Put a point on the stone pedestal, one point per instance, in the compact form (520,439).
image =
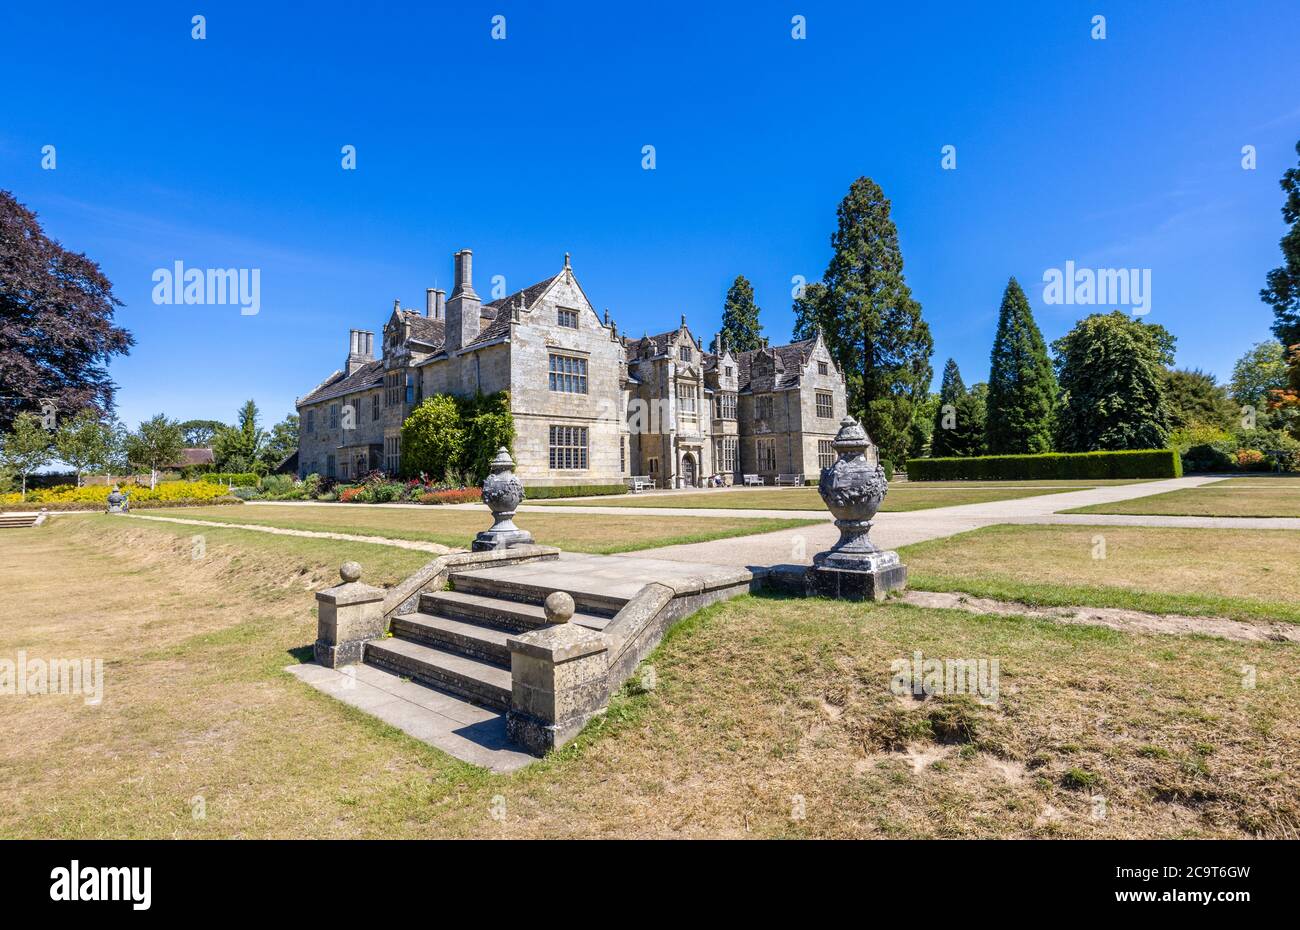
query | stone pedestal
(558,680)
(853,584)
(349,614)
(503,492)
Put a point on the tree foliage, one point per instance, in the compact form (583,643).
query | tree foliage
(1197,399)
(84,442)
(26,447)
(200,433)
(1111,370)
(157,443)
(433,438)
(1258,373)
(741,329)
(1022,387)
(1282,292)
(56,322)
(869,320)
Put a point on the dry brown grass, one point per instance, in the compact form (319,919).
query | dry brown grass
(1220,499)
(901,497)
(598,533)
(758,702)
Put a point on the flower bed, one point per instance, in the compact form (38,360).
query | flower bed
(95,497)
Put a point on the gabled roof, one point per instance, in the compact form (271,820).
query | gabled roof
(369,375)
(788,363)
(530,294)
(432,332)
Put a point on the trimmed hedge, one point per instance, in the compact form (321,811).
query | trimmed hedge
(232,479)
(1142,463)
(534,493)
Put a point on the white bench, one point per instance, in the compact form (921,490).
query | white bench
(789,480)
(753,479)
(641,483)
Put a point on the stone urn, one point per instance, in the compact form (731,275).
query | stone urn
(117,501)
(503,492)
(853,489)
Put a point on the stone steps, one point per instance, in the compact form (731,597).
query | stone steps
(481,682)
(470,639)
(17,520)
(588,602)
(512,615)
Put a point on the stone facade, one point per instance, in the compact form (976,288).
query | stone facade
(590,407)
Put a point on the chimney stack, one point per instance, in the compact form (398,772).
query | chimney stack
(361,349)
(430,304)
(439,304)
(461,311)
(464,273)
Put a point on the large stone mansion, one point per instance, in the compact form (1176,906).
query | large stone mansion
(589,406)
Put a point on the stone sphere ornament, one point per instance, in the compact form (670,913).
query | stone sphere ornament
(350,572)
(559,607)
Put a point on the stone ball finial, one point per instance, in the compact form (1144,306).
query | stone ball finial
(350,571)
(559,607)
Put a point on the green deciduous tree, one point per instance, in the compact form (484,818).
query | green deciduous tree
(740,327)
(1283,290)
(83,442)
(158,442)
(1022,386)
(1258,373)
(871,323)
(280,442)
(200,433)
(1196,399)
(1111,370)
(26,447)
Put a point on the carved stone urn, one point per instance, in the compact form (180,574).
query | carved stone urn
(853,489)
(117,501)
(503,492)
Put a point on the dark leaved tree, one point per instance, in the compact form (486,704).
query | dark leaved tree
(1022,387)
(56,322)
(1283,290)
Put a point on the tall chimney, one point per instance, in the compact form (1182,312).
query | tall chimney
(463,307)
(430,304)
(464,273)
(440,304)
(360,350)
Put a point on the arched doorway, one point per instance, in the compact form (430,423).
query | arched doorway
(688,470)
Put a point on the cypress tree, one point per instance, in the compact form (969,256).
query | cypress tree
(869,320)
(950,391)
(740,326)
(1022,387)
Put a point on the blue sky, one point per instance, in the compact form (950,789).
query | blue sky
(225,152)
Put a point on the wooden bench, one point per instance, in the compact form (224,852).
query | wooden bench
(753,479)
(789,480)
(641,483)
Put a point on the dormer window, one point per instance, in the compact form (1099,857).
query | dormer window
(567,318)
(684,353)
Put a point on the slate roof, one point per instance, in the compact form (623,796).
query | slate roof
(497,313)
(433,332)
(789,361)
(369,375)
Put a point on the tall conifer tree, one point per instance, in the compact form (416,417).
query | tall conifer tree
(1022,386)
(740,326)
(871,323)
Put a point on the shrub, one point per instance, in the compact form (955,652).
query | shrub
(93,497)
(347,495)
(452,496)
(1251,460)
(1208,457)
(888,466)
(573,490)
(1145,463)
(245,494)
(446,436)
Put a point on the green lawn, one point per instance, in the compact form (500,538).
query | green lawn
(767,718)
(1261,480)
(1240,574)
(901,498)
(456,528)
(1221,499)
